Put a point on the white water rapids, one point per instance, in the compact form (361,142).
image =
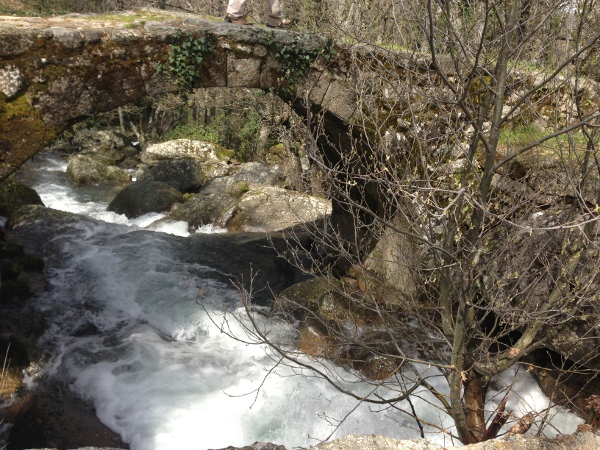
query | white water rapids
(127,334)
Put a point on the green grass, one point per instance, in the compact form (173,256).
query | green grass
(16,8)
(522,136)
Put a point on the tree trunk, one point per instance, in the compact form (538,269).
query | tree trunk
(474,407)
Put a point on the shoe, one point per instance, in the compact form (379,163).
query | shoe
(237,20)
(285,23)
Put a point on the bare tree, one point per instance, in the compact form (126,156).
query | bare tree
(464,233)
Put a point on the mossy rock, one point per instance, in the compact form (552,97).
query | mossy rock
(14,195)
(238,189)
(88,169)
(204,209)
(328,300)
(28,133)
(32,213)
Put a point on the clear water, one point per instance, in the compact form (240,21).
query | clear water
(130,333)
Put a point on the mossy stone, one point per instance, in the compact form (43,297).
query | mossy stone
(238,189)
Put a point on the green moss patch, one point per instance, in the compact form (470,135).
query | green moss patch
(28,133)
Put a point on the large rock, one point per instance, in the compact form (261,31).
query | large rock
(51,415)
(145,197)
(579,341)
(205,209)
(20,277)
(86,169)
(258,446)
(391,267)
(303,299)
(186,148)
(336,323)
(256,174)
(376,442)
(249,200)
(273,209)
(213,158)
(265,210)
(523,274)
(183,174)
(292,167)
(13,195)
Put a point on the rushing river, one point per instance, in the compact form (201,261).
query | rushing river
(132,330)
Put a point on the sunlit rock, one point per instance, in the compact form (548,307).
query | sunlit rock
(391,266)
(186,148)
(256,174)
(272,209)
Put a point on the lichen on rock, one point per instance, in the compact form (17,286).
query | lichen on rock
(11,80)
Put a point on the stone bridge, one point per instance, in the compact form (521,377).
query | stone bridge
(55,71)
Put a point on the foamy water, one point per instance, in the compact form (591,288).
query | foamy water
(139,333)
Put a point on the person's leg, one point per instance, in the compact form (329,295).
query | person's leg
(236,9)
(236,12)
(274,13)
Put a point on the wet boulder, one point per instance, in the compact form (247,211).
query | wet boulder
(145,197)
(211,206)
(230,203)
(88,169)
(336,322)
(184,174)
(205,208)
(219,198)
